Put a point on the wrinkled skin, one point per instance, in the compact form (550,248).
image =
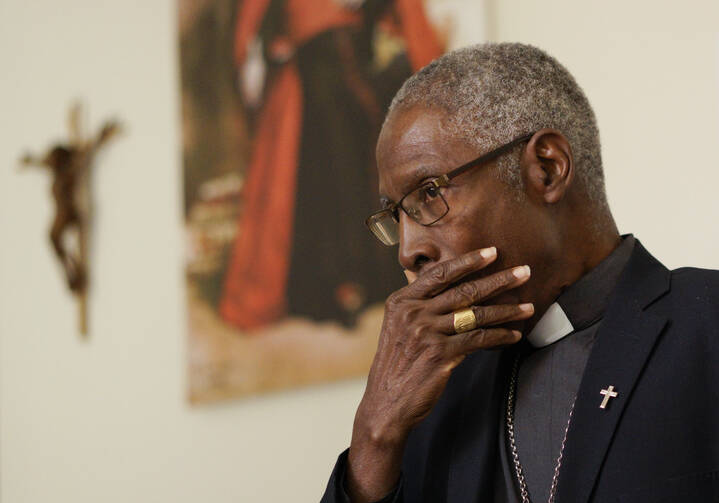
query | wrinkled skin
(474,257)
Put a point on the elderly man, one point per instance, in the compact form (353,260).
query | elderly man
(604,381)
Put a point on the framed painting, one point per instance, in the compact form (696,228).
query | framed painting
(282,102)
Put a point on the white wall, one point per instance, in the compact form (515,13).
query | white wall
(107,420)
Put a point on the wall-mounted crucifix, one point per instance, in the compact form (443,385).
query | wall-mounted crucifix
(70,166)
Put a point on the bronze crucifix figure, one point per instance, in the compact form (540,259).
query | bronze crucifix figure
(70,164)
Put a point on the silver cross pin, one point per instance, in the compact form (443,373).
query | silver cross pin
(608,393)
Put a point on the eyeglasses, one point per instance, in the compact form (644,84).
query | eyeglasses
(426,204)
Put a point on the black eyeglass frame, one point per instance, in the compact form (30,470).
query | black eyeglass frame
(443,181)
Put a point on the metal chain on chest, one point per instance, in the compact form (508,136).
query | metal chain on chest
(513,446)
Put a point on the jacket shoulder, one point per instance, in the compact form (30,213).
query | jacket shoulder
(694,292)
(696,279)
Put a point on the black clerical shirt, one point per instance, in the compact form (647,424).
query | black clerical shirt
(548,381)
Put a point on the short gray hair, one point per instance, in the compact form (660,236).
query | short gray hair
(497,92)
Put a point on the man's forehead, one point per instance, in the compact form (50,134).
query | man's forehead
(411,132)
(414,144)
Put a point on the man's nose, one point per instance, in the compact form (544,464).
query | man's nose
(416,247)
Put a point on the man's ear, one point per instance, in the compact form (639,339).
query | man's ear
(547,166)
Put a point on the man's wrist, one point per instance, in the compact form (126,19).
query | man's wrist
(374,460)
(378,431)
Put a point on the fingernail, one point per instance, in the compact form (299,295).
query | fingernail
(517,334)
(521,271)
(527,307)
(410,276)
(488,252)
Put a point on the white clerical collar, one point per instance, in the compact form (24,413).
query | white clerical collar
(551,327)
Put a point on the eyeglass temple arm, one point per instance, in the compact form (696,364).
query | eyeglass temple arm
(485,158)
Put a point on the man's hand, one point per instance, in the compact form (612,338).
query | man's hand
(417,351)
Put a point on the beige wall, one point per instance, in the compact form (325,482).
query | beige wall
(651,70)
(107,420)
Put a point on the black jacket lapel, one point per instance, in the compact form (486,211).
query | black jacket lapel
(625,339)
(474,456)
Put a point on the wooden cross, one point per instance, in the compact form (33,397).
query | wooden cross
(608,393)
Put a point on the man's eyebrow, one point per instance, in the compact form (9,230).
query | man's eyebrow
(419,173)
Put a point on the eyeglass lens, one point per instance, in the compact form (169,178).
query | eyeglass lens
(424,205)
(385,228)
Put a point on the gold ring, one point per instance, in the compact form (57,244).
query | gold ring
(464,321)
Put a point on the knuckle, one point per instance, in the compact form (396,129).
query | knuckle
(495,314)
(420,333)
(409,314)
(480,313)
(500,280)
(440,273)
(480,336)
(467,292)
(494,283)
(450,365)
(446,370)
(466,261)
(393,300)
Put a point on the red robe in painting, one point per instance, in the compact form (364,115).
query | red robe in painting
(255,288)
